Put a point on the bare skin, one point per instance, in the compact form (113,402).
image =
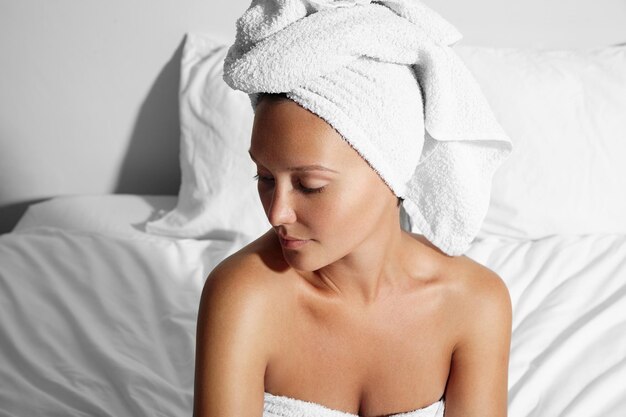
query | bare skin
(363,318)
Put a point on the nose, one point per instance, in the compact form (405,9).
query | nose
(280,210)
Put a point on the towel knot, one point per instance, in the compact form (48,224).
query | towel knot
(414,11)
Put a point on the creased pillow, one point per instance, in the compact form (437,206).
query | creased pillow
(565,111)
(218,195)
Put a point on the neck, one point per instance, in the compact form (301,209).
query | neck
(372,270)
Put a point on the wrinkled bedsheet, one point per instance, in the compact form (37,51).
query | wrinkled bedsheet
(100,325)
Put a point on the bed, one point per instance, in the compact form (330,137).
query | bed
(99,292)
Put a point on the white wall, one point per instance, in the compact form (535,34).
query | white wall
(88,89)
(537,23)
(93,80)
(88,95)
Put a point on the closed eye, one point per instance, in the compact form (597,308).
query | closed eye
(302,188)
(310,190)
(257,177)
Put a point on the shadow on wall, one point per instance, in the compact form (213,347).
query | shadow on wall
(151,163)
(10,214)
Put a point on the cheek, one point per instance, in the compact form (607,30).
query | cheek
(338,220)
(264,196)
(348,213)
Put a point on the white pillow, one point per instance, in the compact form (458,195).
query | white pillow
(108,214)
(218,195)
(565,112)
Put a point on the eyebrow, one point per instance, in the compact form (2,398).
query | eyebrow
(302,168)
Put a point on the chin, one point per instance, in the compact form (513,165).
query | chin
(302,261)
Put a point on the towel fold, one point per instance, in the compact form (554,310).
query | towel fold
(384,76)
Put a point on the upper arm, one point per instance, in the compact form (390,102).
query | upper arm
(231,346)
(478,380)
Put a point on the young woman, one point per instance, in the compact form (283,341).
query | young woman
(336,310)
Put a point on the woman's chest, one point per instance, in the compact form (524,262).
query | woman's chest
(392,356)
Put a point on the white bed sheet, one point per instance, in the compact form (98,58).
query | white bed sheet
(93,323)
(96,325)
(568,350)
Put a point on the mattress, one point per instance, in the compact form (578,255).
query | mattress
(98,318)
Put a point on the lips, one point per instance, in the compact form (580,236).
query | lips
(290,242)
(287,237)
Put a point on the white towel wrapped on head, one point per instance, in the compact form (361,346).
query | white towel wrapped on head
(384,76)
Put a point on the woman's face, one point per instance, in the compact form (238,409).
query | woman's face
(314,186)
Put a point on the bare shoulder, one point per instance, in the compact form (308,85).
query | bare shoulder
(235,334)
(480,305)
(481,310)
(465,277)
(478,279)
(477,291)
(247,277)
(472,288)
(244,290)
